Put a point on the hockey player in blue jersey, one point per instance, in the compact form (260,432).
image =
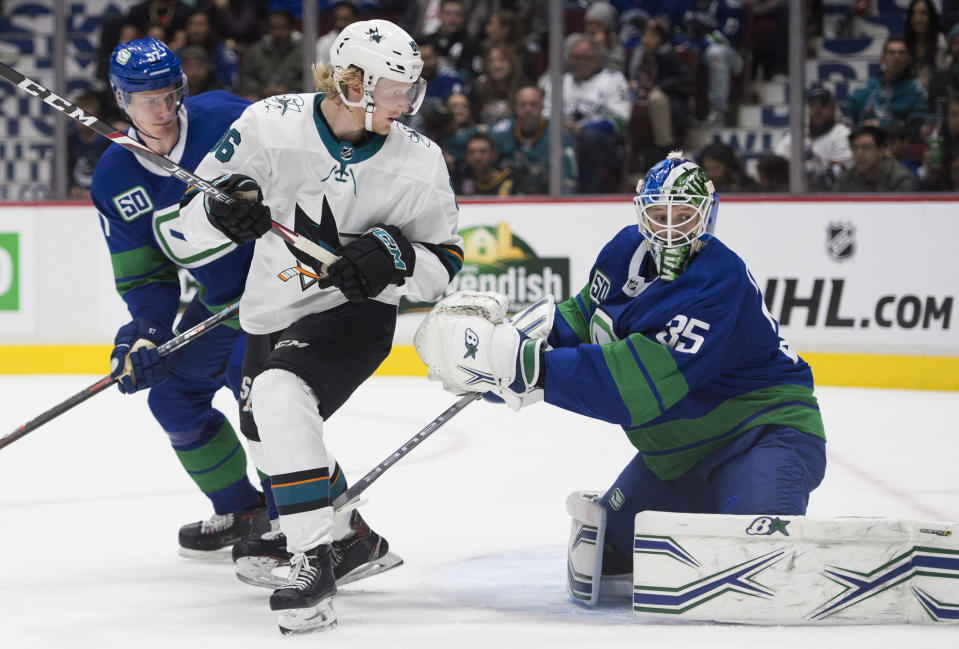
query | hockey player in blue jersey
(138,205)
(671,340)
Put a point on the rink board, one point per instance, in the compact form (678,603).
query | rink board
(862,302)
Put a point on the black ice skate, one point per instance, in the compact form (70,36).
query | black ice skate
(305,601)
(362,553)
(257,556)
(206,539)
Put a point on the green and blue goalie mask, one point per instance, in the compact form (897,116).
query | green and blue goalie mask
(676,204)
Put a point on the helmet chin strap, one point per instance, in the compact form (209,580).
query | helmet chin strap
(370,107)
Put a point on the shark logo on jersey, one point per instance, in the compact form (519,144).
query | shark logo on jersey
(324,233)
(413,135)
(284,103)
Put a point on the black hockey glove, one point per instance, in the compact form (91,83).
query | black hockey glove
(382,256)
(246,219)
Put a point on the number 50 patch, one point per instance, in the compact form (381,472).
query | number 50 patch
(681,334)
(132,203)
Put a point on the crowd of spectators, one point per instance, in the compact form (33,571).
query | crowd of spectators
(638,76)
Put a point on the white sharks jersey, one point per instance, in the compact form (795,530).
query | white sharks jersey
(331,192)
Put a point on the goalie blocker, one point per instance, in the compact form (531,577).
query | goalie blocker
(782,570)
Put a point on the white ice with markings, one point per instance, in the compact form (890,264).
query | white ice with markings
(91,503)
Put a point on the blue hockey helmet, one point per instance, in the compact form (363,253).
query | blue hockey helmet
(677,204)
(144,64)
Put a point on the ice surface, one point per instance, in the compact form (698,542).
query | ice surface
(91,502)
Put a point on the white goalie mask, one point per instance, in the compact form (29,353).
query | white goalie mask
(677,205)
(381,50)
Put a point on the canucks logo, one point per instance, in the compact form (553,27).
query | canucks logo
(471,340)
(374,34)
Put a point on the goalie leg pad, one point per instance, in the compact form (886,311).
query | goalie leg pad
(584,557)
(795,570)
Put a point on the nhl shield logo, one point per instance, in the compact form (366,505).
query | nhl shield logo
(841,240)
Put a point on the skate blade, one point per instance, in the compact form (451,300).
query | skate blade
(308,620)
(258,571)
(387,562)
(218,556)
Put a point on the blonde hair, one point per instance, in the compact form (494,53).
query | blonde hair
(324,80)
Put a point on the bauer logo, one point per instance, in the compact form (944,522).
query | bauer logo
(766,525)
(9,271)
(495,259)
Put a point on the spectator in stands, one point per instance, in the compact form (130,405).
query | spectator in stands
(725,169)
(199,32)
(493,91)
(239,22)
(946,79)
(898,148)
(344,13)
(873,169)
(600,24)
(168,15)
(595,109)
(482,177)
(773,172)
(84,145)
(713,30)
(440,84)
(523,145)
(200,74)
(951,182)
(462,129)
(826,147)
(925,40)
(894,96)
(663,86)
(274,64)
(769,38)
(933,177)
(456,47)
(504,28)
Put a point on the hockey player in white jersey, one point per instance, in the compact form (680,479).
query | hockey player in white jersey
(336,167)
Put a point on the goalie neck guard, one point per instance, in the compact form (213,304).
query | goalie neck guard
(380,50)
(676,203)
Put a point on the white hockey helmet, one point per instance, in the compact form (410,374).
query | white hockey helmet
(382,51)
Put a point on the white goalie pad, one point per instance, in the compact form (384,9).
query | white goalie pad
(584,553)
(795,570)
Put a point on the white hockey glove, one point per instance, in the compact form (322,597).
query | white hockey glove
(466,344)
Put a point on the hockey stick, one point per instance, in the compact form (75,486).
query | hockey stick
(351,495)
(74,112)
(107,381)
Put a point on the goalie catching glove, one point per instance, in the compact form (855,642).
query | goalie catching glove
(245,219)
(382,256)
(135,360)
(467,343)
